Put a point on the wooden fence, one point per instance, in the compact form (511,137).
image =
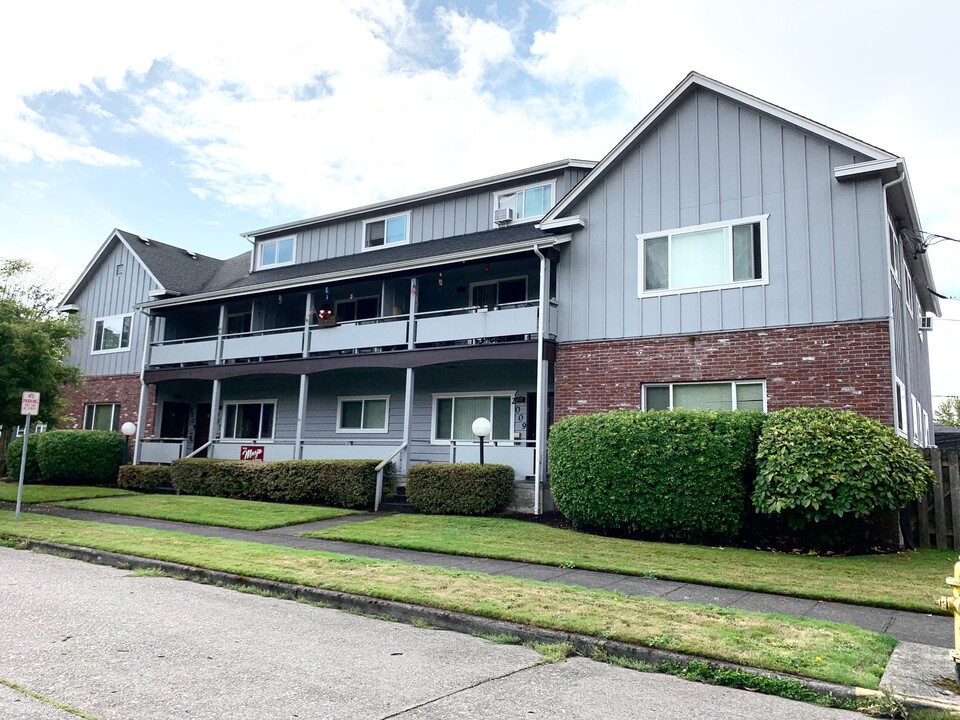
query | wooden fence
(936,516)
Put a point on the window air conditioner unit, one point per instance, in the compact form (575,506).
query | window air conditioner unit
(926,323)
(502,215)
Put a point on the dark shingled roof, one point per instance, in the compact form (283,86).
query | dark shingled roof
(235,272)
(176,269)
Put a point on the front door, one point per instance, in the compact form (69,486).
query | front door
(175,420)
(201,428)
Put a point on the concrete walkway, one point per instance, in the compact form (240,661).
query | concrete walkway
(931,630)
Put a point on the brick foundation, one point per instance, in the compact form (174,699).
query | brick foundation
(844,366)
(123,389)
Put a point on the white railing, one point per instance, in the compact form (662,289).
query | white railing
(520,455)
(162,451)
(509,320)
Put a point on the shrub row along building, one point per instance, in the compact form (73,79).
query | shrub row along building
(726,254)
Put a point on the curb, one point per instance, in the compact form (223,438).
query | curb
(447,620)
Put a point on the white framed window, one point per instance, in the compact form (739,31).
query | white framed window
(362,308)
(248,419)
(528,203)
(926,429)
(101,416)
(363,414)
(385,231)
(498,292)
(112,334)
(454,413)
(704,257)
(735,395)
(277,252)
(901,409)
(896,252)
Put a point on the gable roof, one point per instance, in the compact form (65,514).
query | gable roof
(696,80)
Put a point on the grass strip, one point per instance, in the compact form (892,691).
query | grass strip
(48,701)
(802,646)
(56,493)
(904,581)
(223,512)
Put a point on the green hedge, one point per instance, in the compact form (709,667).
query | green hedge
(678,475)
(459,489)
(80,456)
(145,478)
(342,483)
(14,451)
(815,464)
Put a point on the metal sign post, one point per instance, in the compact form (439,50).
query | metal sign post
(29,407)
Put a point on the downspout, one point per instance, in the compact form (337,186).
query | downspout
(541,434)
(892,329)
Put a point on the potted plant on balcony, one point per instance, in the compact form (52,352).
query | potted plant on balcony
(325,317)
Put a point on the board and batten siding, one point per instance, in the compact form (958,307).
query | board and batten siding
(468,212)
(105,294)
(711,160)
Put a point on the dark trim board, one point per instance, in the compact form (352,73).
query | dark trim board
(526,350)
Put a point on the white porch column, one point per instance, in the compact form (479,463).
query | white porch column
(412,328)
(407,416)
(221,329)
(142,405)
(307,317)
(214,415)
(543,370)
(301,416)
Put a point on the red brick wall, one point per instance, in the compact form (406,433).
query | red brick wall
(123,389)
(844,366)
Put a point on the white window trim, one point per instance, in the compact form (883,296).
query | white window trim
(732,383)
(894,260)
(526,286)
(901,397)
(261,244)
(764,256)
(114,411)
(363,398)
(479,393)
(522,188)
(383,218)
(926,429)
(93,342)
(223,419)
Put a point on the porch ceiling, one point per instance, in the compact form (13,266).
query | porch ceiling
(526,350)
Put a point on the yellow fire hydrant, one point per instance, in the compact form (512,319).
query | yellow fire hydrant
(953,604)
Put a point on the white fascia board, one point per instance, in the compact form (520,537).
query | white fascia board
(96,261)
(572,222)
(858,170)
(420,197)
(68,308)
(161,291)
(738,96)
(359,273)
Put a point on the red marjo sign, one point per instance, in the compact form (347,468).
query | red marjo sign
(251,452)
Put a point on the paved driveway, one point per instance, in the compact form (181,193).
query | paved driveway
(117,646)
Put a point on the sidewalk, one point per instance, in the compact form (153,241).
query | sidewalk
(919,628)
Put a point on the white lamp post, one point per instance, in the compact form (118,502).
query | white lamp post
(128,429)
(481,428)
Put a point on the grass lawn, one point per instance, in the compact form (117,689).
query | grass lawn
(243,514)
(909,580)
(56,493)
(801,646)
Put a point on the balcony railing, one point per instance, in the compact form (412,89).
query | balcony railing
(429,329)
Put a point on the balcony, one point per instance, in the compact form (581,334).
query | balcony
(512,321)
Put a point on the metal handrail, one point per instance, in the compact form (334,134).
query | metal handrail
(379,494)
(207,444)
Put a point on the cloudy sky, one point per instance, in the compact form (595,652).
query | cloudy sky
(191,122)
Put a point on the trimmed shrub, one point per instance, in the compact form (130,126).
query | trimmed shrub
(343,483)
(459,489)
(216,478)
(814,464)
(80,456)
(677,475)
(145,478)
(14,450)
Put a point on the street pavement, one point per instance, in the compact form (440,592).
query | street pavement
(117,646)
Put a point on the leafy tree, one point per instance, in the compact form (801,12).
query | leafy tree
(948,412)
(35,339)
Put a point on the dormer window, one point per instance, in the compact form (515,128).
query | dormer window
(274,253)
(392,230)
(526,203)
